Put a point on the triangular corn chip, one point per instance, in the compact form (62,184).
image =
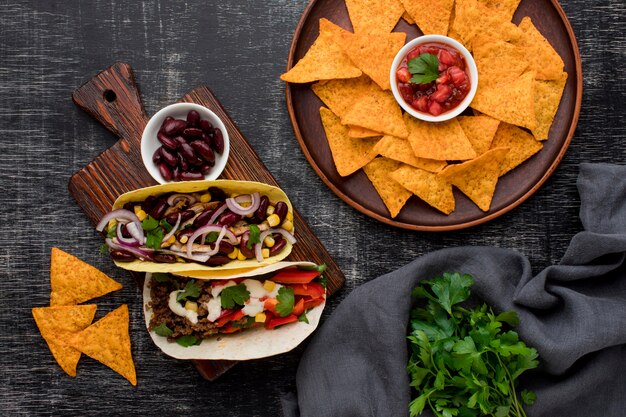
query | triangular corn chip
(498,61)
(400,150)
(349,154)
(428,186)
(57,324)
(361,132)
(441,141)
(543,59)
(505,7)
(432,17)
(548,95)
(108,342)
(480,131)
(374,15)
(73,281)
(393,194)
(477,178)
(340,95)
(472,18)
(378,111)
(323,61)
(522,145)
(407,17)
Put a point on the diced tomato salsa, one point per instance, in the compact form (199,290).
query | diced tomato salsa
(445,93)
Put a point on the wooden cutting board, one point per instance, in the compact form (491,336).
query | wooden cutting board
(112,98)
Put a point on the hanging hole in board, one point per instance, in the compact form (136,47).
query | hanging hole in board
(109,95)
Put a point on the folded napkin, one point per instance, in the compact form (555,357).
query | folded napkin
(573,313)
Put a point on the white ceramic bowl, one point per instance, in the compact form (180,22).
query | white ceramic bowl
(150,143)
(469,60)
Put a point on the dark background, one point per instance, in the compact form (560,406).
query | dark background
(238,48)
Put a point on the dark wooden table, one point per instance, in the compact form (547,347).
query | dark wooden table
(238,48)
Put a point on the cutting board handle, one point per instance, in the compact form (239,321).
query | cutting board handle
(112,97)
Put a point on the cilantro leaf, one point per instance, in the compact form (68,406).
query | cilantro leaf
(165,225)
(285,301)
(302,317)
(104,249)
(188,340)
(318,268)
(149,223)
(154,238)
(160,277)
(425,68)
(528,397)
(191,290)
(237,294)
(255,235)
(112,232)
(323,280)
(211,237)
(163,330)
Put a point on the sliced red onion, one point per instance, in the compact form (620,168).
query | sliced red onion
(199,257)
(122,214)
(136,232)
(174,229)
(120,236)
(139,252)
(258,250)
(217,213)
(175,198)
(223,230)
(235,207)
(288,236)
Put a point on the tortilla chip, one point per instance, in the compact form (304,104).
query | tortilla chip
(428,186)
(393,194)
(505,7)
(361,132)
(400,150)
(498,61)
(373,53)
(57,324)
(108,342)
(407,17)
(472,18)
(73,281)
(548,95)
(477,178)
(378,111)
(340,95)
(522,145)
(374,15)
(432,17)
(349,154)
(323,61)
(543,59)
(480,131)
(442,141)
(512,102)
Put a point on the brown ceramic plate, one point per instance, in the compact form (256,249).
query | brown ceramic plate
(512,189)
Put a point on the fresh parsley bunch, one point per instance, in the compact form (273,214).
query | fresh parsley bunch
(464,361)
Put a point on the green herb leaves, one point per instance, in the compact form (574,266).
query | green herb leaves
(462,361)
(154,235)
(237,294)
(255,235)
(163,330)
(188,340)
(285,298)
(191,290)
(425,68)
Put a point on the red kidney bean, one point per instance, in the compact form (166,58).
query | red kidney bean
(225,247)
(205,169)
(228,218)
(129,206)
(159,209)
(165,171)
(167,141)
(176,173)
(206,127)
(186,232)
(184,216)
(203,218)
(260,213)
(190,176)
(217,193)
(189,154)
(122,256)
(207,139)
(180,140)
(125,232)
(192,133)
(217,260)
(281,210)
(182,163)
(156,157)
(243,246)
(149,203)
(172,126)
(169,157)
(279,245)
(165,258)
(193,118)
(203,150)
(218,141)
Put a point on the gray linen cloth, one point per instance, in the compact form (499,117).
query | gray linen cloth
(574,313)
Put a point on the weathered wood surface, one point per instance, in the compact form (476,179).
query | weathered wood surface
(238,48)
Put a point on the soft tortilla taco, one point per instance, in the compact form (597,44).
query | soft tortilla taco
(205,226)
(240,318)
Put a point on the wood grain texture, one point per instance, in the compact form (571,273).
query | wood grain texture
(239,48)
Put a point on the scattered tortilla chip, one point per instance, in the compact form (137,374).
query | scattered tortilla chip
(361,132)
(323,61)
(378,111)
(349,154)
(512,102)
(340,95)
(480,131)
(393,194)
(407,17)
(522,145)
(543,59)
(73,281)
(374,15)
(57,324)
(108,342)
(505,7)
(428,186)
(441,141)
(498,61)
(400,150)
(477,178)
(548,95)
(373,53)
(472,18)
(432,17)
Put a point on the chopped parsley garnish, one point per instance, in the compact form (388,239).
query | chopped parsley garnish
(163,330)
(165,224)
(188,340)
(211,237)
(191,290)
(237,294)
(154,237)
(303,318)
(255,235)
(285,298)
(149,223)
(425,68)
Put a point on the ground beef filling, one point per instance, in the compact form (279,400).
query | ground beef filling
(180,326)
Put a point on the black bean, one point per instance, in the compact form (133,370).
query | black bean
(203,150)
(193,118)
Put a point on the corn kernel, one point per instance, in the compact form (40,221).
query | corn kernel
(269,241)
(241,256)
(289,216)
(273,220)
(265,252)
(269,285)
(184,239)
(191,305)
(260,318)
(205,198)
(270,210)
(287,225)
(234,254)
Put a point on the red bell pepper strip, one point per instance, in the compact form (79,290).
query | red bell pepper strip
(313,290)
(270,305)
(279,321)
(309,303)
(230,328)
(295,276)
(230,317)
(298,308)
